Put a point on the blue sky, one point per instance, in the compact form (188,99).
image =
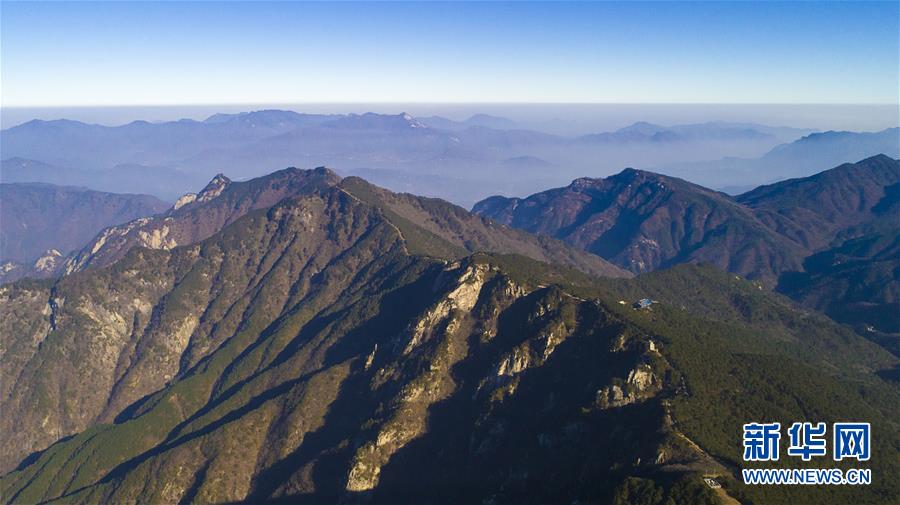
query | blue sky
(130,53)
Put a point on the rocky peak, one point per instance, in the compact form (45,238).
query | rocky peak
(184,200)
(48,261)
(629,175)
(631,181)
(583,183)
(214,188)
(326,172)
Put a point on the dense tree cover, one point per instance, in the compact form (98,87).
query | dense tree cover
(685,490)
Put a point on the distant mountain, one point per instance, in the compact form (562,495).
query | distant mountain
(456,189)
(641,128)
(273,120)
(173,157)
(711,131)
(815,211)
(801,158)
(484,138)
(643,221)
(469,233)
(637,132)
(442,123)
(782,133)
(372,121)
(629,136)
(166,183)
(495,122)
(527,162)
(811,152)
(483,120)
(86,146)
(170,158)
(24,170)
(41,217)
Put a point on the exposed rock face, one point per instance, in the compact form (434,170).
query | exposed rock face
(215,188)
(136,333)
(46,265)
(642,378)
(194,218)
(48,262)
(442,322)
(641,384)
(184,200)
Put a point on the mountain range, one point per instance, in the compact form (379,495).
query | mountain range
(483,120)
(643,221)
(310,339)
(643,131)
(461,161)
(165,183)
(801,158)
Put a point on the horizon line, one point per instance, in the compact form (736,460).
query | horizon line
(319,103)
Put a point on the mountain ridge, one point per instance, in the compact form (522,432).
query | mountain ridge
(178,155)
(828,202)
(626,218)
(195,216)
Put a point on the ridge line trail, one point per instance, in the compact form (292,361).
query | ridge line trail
(386,220)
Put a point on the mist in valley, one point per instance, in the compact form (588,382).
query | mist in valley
(461,153)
